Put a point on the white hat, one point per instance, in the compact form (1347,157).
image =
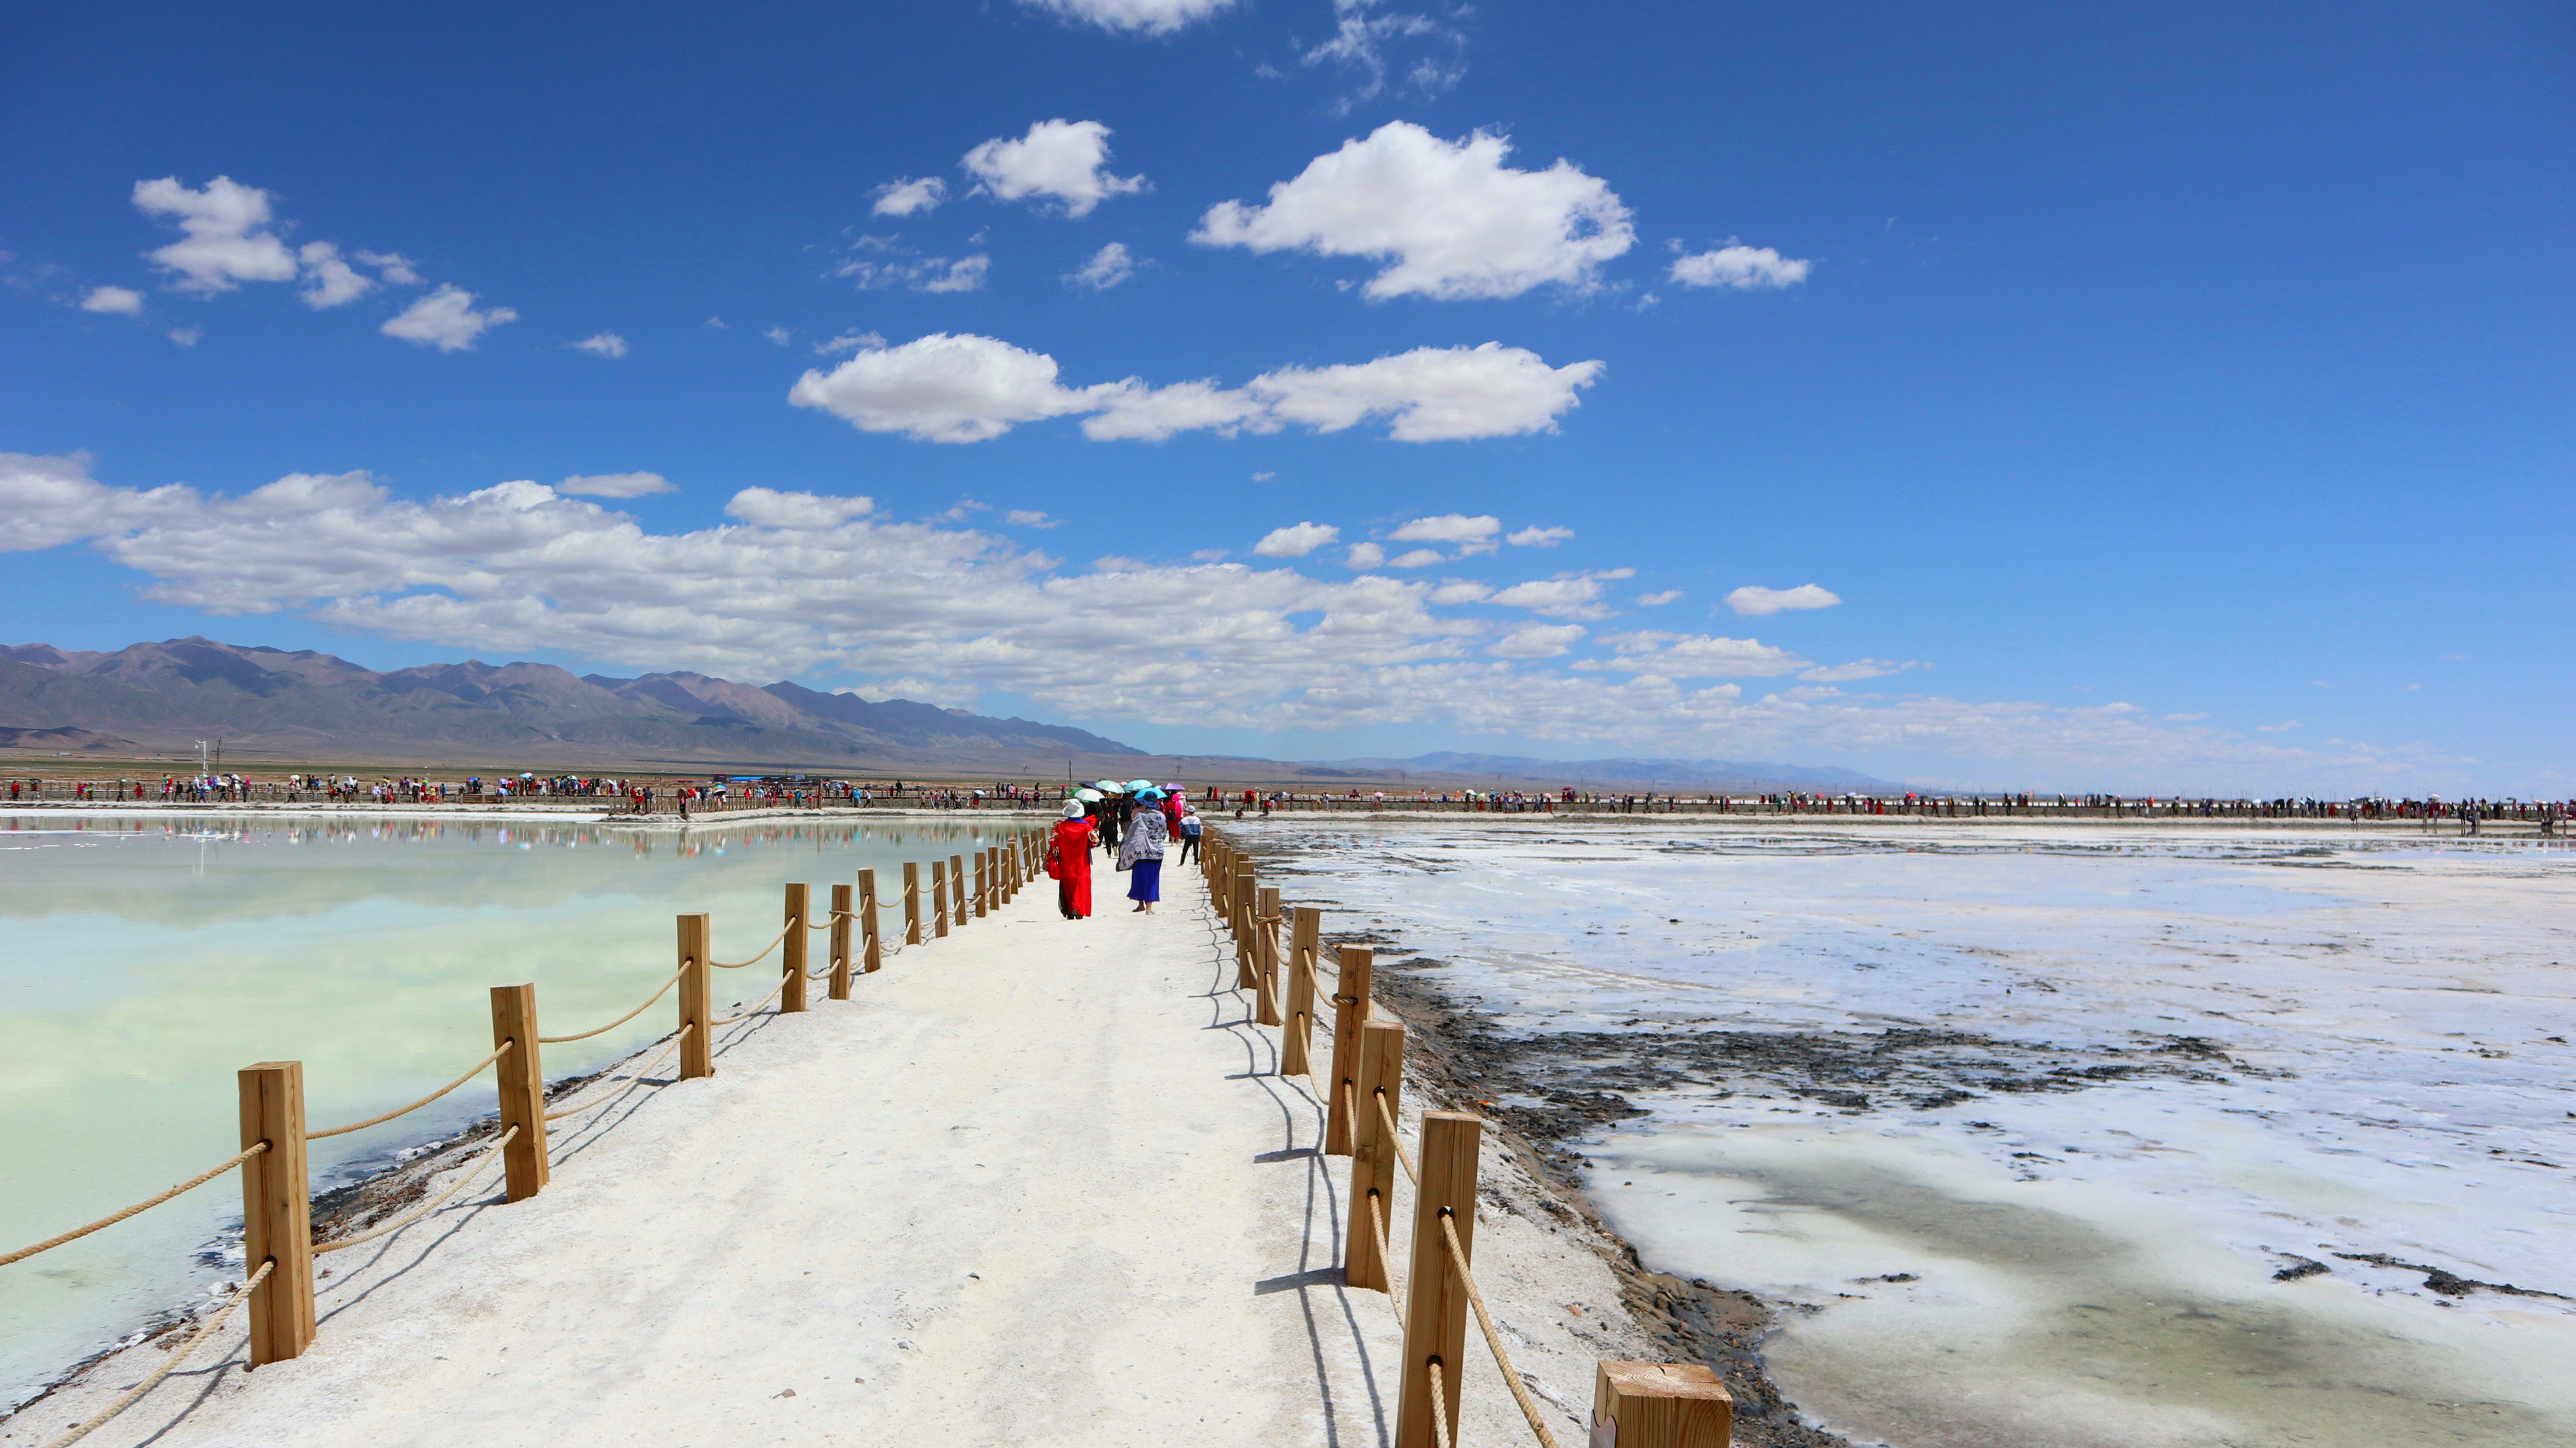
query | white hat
(1073,809)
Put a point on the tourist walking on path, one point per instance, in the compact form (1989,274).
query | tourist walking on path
(1141,855)
(1189,835)
(1068,862)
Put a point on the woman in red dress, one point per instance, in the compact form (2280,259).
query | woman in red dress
(1068,862)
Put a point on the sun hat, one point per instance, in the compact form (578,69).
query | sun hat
(1073,809)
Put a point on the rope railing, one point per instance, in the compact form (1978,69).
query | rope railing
(633,1078)
(147,1204)
(1439,1405)
(1403,1158)
(465,1175)
(621,1020)
(775,941)
(475,1071)
(755,1010)
(1493,1339)
(134,1394)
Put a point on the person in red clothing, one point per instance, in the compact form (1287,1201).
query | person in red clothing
(1068,862)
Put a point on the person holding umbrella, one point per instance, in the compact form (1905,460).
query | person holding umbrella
(1068,862)
(1142,854)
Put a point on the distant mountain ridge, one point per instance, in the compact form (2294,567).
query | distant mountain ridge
(314,706)
(1742,775)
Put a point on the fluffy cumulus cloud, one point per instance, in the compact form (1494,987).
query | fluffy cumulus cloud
(1856,669)
(1058,161)
(1449,218)
(1538,537)
(446,319)
(226,240)
(117,300)
(1451,528)
(1754,600)
(944,388)
(1138,17)
(792,581)
(601,344)
(1745,268)
(616,485)
(329,281)
(1296,540)
(908,196)
(1107,268)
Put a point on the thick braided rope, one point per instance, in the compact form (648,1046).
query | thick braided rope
(1493,1339)
(463,1179)
(127,1399)
(1439,1406)
(755,1010)
(1403,1157)
(632,1080)
(775,941)
(1385,1254)
(471,1073)
(76,1233)
(621,1020)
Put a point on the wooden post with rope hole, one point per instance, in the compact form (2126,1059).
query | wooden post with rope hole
(983,883)
(791,961)
(868,920)
(277,1211)
(1350,1013)
(1435,1294)
(1265,953)
(1247,975)
(1660,1405)
(939,899)
(698,1050)
(842,904)
(957,886)
(1373,1164)
(911,902)
(521,1079)
(1297,1050)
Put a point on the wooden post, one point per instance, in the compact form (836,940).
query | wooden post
(868,918)
(277,1211)
(1435,1296)
(522,1082)
(1373,1163)
(911,903)
(1247,975)
(842,905)
(1265,953)
(1661,1405)
(698,1052)
(1297,1048)
(939,899)
(1350,1013)
(983,882)
(957,885)
(791,961)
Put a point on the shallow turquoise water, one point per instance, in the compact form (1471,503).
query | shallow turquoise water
(144,961)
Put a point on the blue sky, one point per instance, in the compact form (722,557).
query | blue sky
(2153,398)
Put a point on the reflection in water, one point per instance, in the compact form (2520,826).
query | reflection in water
(143,962)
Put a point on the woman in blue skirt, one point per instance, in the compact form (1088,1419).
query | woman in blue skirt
(1140,852)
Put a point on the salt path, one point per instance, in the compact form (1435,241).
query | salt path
(1037,1183)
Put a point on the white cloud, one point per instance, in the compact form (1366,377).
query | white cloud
(1107,268)
(1361,38)
(1462,590)
(1065,160)
(1685,656)
(1145,17)
(398,270)
(965,388)
(1858,669)
(329,281)
(716,324)
(1263,477)
(1536,641)
(965,274)
(1450,219)
(1364,555)
(1031,518)
(1568,595)
(881,261)
(186,336)
(616,485)
(1296,540)
(1417,558)
(1755,600)
(446,319)
(1448,528)
(779,335)
(1539,537)
(1745,268)
(804,582)
(1657,600)
(117,300)
(907,196)
(601,344)
(2284,727)
(227,239)
(846,342)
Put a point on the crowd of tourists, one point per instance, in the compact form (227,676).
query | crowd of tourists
(1136,824)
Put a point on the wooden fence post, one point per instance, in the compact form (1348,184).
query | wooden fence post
(1661,1405)
(870,942)
(1435,1296)
(842,904)
(698,1052)
(1265,953)
(522,1081)
(1373,1164)
(1350,1013)
(911,902)
(791,961)
(983,882)
(1297,1049)
(939,899)
(277,1211)
(1247,975)
(957,886)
